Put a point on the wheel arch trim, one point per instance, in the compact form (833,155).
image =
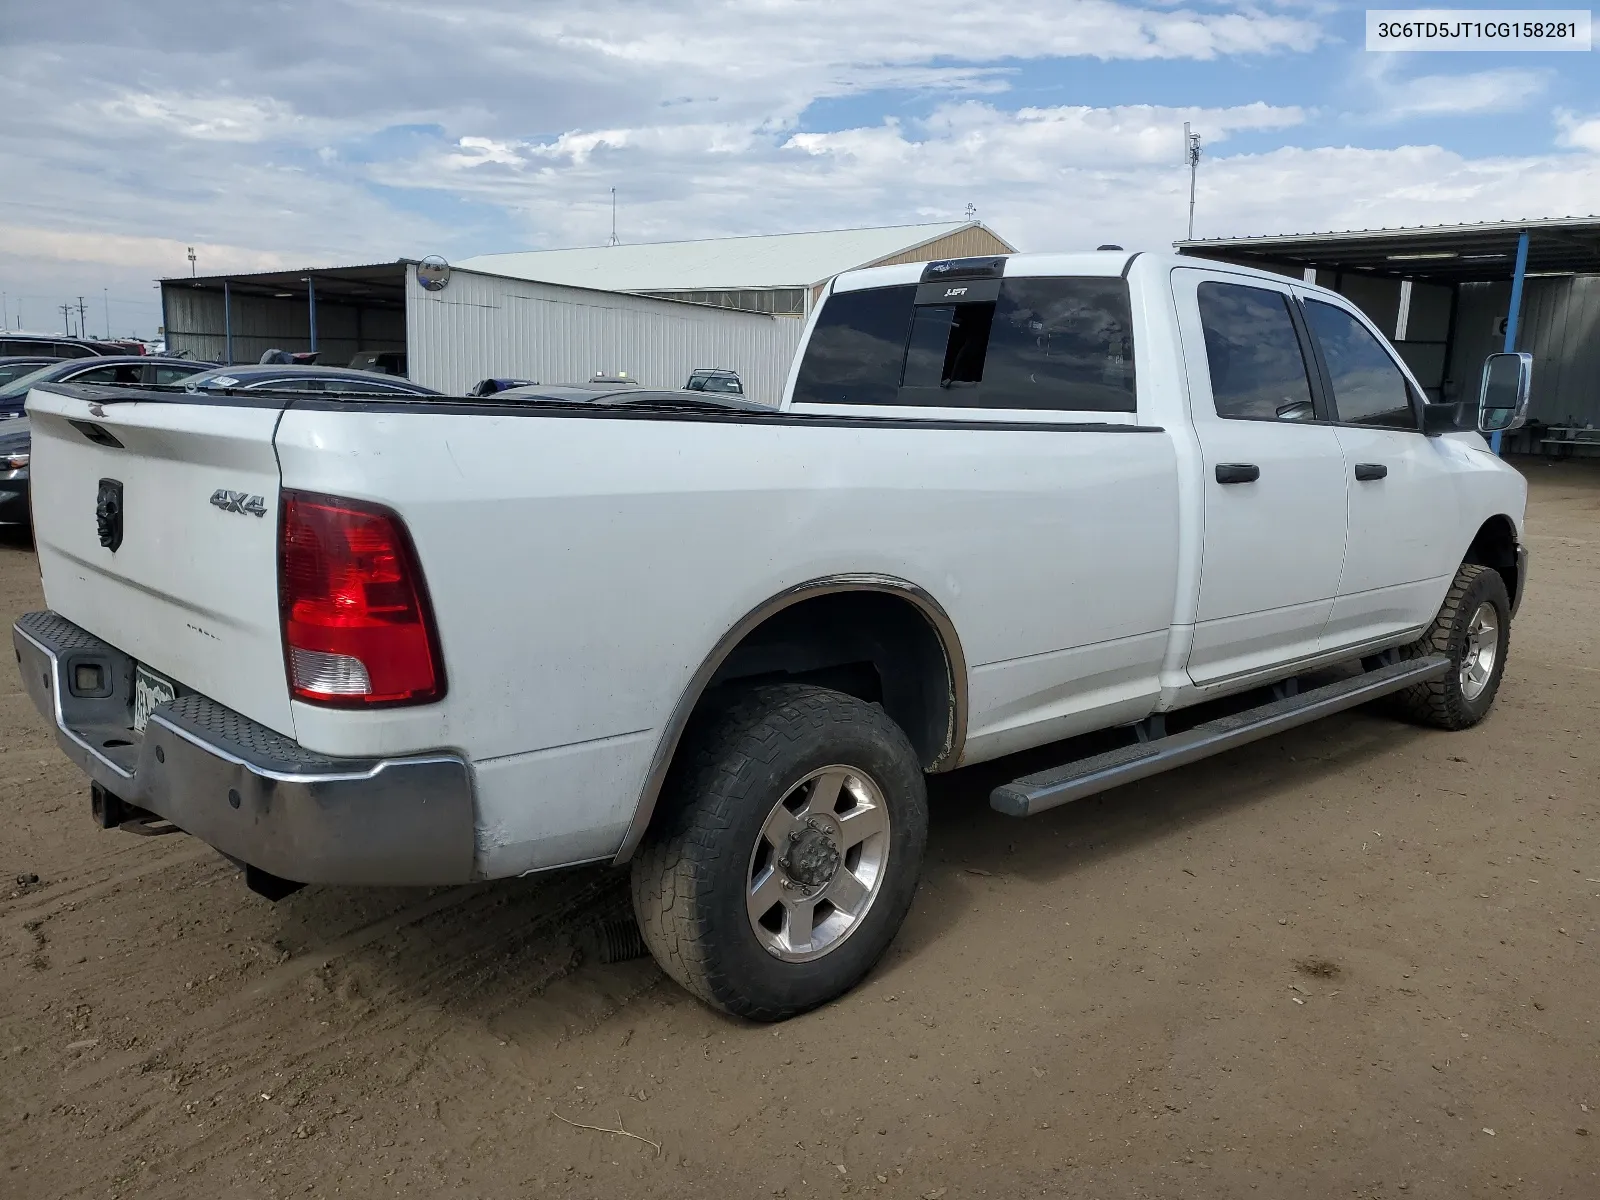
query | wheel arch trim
(932,611)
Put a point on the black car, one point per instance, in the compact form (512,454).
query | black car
(16,446)
(488,387)
(57,346)
(380,362)
(708,379)
(126,369)
(15,366)
(288,378)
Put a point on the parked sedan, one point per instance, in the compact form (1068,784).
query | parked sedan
(110,368)
(288,378)
(16,447)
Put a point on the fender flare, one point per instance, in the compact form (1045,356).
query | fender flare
(943,628)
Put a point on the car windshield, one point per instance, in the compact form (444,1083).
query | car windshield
(10,372)
(19,386)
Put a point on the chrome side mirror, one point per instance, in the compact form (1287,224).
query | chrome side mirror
(1503,396)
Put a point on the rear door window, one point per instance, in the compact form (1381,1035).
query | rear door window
(1368,388)
(1258,371)
(114,373)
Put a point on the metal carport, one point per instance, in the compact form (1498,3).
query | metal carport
(1450,294)
(335,310)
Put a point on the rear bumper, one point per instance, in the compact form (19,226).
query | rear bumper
(255,795)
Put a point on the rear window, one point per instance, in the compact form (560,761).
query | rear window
(1033,343)
(857,348)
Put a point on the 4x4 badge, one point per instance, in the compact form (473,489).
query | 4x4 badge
(239,502)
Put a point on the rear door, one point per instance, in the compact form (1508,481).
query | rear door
(1403,541)
(139,543)
(1274,478)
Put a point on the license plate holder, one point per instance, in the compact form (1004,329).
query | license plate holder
(149,690)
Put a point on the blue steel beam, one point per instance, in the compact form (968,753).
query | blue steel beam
(311,304)
(1517,276)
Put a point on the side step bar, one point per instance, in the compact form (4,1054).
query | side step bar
(1085,776)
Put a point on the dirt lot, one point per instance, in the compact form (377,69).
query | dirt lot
(1361,959)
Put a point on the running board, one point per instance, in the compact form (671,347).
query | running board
(1085,776)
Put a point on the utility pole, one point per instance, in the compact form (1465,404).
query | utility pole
(191,251)
(1191,154)
(66,319)
(83,325)
(614,241)
(105,294)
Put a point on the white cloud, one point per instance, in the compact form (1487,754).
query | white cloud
(356,130)
(1578,132)
(1390,95)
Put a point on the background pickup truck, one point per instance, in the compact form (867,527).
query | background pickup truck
(1005,502)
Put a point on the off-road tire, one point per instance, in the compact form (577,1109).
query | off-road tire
(1441,703)
(690,876)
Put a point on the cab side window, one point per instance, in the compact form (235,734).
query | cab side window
(1258,371)
(1368,388)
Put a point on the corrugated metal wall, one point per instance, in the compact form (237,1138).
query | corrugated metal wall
(1559,326)
(262,323)
(485,326)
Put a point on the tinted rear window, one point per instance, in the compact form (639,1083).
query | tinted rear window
(857,348)
(1044,343)
(1061,343)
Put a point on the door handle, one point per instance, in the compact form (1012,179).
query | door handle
(1366,472)
(1238,472)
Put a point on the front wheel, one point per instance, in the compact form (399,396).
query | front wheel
(1473,630)
(786,853)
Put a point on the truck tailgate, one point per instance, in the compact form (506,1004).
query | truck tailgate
(191,588)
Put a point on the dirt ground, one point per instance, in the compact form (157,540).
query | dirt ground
(1360,959)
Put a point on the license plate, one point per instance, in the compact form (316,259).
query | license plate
(149,690)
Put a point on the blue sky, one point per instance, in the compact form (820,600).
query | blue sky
(358,130)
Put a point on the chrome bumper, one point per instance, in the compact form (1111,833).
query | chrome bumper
(255,795)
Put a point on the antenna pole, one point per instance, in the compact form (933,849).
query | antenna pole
(613,241)
(1191,151)
(191,253)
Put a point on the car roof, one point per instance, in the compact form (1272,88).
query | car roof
(59,339)
(259,372)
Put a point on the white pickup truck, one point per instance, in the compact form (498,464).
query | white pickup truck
(1005,502)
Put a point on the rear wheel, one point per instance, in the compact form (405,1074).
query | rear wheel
(1473,629)
(786,853)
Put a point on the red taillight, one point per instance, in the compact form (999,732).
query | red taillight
(357,629)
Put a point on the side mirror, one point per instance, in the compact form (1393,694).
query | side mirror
(1503,396)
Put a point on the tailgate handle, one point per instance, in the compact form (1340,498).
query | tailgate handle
(1238,472)
(96,434)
